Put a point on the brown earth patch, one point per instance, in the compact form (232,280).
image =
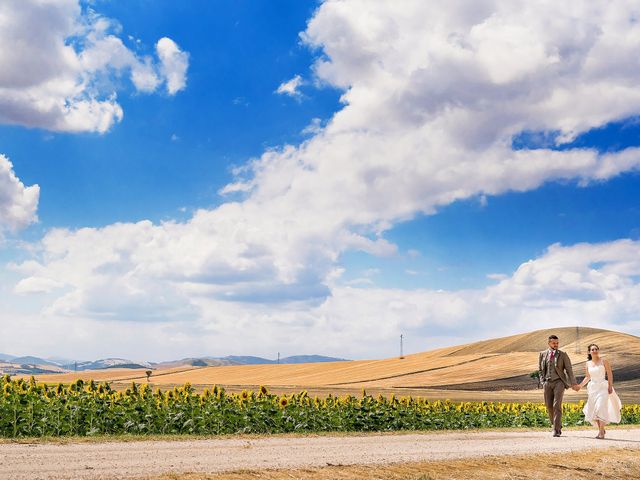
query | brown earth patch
(612,463)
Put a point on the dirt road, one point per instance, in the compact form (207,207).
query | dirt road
(145,458)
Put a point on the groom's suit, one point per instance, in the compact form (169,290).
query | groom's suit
(556,374)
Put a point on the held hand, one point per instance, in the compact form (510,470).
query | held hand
(576,387)
(610,389)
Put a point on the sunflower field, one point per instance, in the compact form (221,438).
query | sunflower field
(29,409)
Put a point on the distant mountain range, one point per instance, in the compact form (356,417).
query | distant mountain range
(244,360)
(105,363)
(29,360)
(36,365)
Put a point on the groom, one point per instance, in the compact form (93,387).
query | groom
(556,374)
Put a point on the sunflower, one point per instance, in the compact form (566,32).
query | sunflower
(283,401)
(263,390)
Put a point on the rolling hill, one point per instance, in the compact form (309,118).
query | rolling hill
(490,365)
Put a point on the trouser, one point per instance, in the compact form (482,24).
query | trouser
(553,393)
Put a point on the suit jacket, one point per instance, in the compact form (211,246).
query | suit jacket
(562,365)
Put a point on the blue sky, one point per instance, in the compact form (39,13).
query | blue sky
(467,240)
(415,181)
(228,114)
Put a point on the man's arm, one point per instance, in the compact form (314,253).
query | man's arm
(569,369)
(540,372)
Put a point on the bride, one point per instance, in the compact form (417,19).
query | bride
(603,405)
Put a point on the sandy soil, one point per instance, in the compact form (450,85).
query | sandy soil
(611,463)
(152,458)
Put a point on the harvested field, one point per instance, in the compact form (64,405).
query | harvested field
(487,366)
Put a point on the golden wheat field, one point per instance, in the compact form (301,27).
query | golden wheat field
(492,368)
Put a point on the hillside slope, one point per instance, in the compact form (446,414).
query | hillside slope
(501,363)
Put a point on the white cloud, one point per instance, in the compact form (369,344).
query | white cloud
(18,204)
(144,77)
(584,274)
(428,118)
(587,285)
(291,87)
(173,64)
(59,67)
(313,128)
(584,284)
(37,285)
(497,276)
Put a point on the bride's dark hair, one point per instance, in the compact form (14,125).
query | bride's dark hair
(589,350)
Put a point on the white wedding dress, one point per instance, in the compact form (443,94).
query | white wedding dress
(600,404)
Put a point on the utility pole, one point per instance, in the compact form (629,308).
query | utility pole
(401,352)
(278,358)
(577,339)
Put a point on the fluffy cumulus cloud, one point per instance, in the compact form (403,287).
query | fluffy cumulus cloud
(595,276)
(583,284)
(173,64)
(18,203)
(60,66)
(434,94)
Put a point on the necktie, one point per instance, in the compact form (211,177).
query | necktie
(553,354)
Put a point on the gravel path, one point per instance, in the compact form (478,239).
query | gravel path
(144,458)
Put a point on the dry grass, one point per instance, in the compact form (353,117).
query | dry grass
(484,368)
(108,375)
(487,361)
(611,463)
(532,341)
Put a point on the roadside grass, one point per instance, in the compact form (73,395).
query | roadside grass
(614,463)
